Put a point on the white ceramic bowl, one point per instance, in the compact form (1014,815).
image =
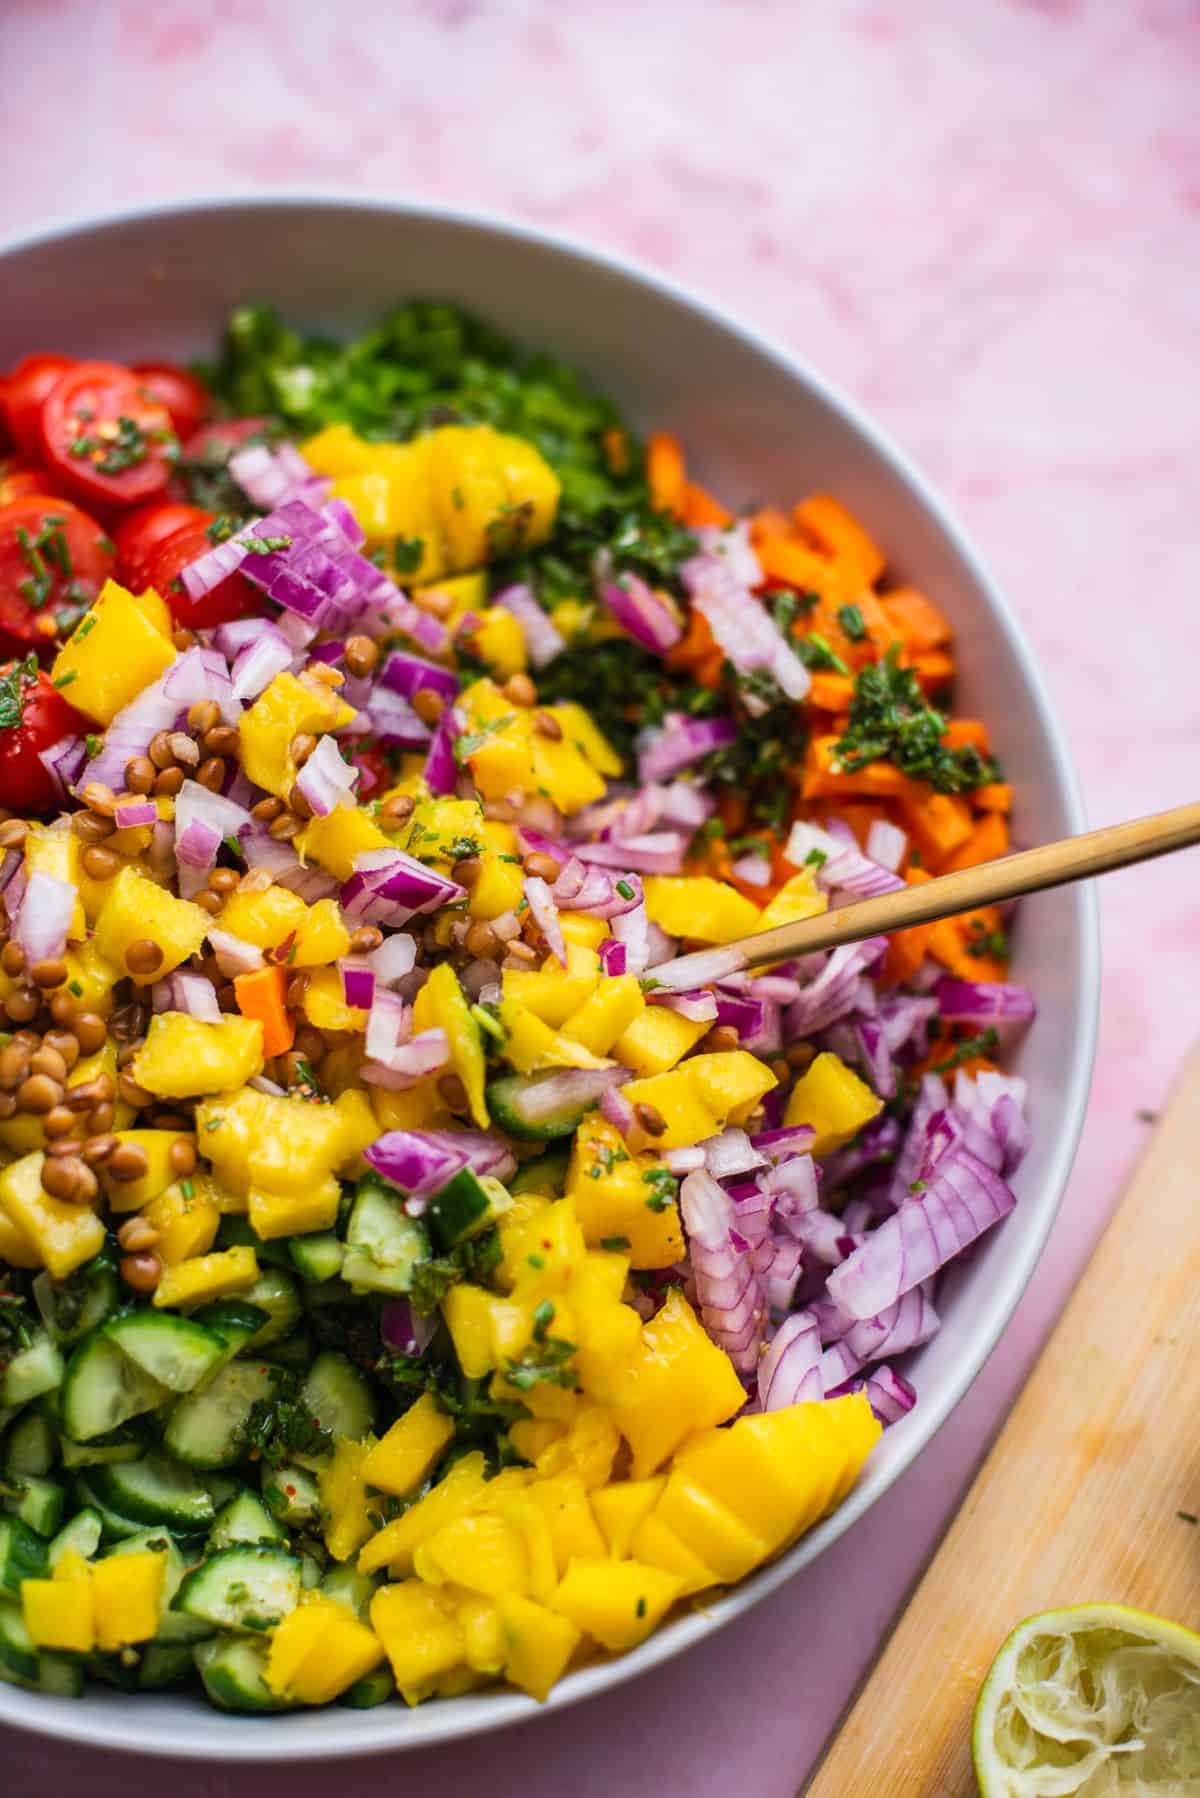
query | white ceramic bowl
(760,426)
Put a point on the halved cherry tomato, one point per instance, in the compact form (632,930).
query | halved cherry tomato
(106,435)
(140,533)
(24,390)
(376,774)
(185,398)
(18,478)
(231,598)
(33,716)
(54,560)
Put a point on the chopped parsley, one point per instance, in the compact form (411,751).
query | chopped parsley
(661,1182)
(890,721)
(982,1044)
(265,546)
(852,622)
(47,555)
(546,1362)
(283,1424)
(407,553)
(116,447)
(818,656)
(614,1244)
(15,683)
(475,1259)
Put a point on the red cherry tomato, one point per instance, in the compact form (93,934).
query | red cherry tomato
(33,716)
(54,560)
(231,598)
(185,398)
(24,390)
(106,436)
(140,533)
(376,774)
(18,478)
(216,441)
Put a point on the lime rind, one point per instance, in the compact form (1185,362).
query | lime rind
(1092,1701)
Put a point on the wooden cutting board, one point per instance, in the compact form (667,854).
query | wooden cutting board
(1092,1490)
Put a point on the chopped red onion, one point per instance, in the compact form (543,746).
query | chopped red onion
(743,628)
(422,1054)
(616,1108)
(441,769)
(680,742)
(326,780)
(63,762)
(271,477)
(421,1162)
(1006,1008)
(358,982)
(390,887)
(543,641)
(844,870)
(545,916)
(681,1161)
(203,820)
(47,907)
(191,676)
(732,544)
(632,931)
(261,850)
(408,675)
(570,1088)
(706,967)
(195,996)
(789,1372)
(659,853)
(134,814)
(405,1330)
(731,1153)
(234,955)
(389,1025)
(699,1007)
(889,1395)
(837,990)
(731,1296)
(395,957)
(256,665)
(612,957)
(789,1139)
(646,616)
(390,719)
(754,869)
(886,844)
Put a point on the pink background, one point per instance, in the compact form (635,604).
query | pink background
(984,221)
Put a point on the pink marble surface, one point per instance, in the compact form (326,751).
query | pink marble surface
(984,221)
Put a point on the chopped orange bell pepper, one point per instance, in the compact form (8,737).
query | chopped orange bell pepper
(825,523)
(263,995)
(916,619)
(996,796)
(988,840)
(665,472)
(699,507)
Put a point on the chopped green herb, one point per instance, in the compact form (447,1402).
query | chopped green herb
(890,721)
(661,1182)
(14,685)
(852,622)
(407,553)
(817,654)
(64,680)
(614,1244)
(93,744)
(982,1044)
(625,890)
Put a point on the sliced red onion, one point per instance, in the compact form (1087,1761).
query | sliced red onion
(390,887)
(876,1057)
(326,780)
(389,1025)
(295,630)
(47,906)
(201,673)
(422,1054)
(408,675)
(837,990)
(358,982)
(395,957)
(203,820)
(648,618)
(256,665)
(405,1330)
(543,641)
(63,761)
(340,514)
(154,709)
(789,1372)
(441,769)
(731,1296)
(632,930)
(215,565)
(616,1108)
(844,869)
(889,1395)
(612,957)
(887,844)
(877,1143)
(680,742)
(838,1366)
(926,1232)
(595,891)
(732,544)
(681,1161)
(994,1104)
(545,916)
(659,853)
(789,1139)
(308,881)
(11,861)
(754,869)
(731,1153)
(706,967)
(134,814)
(234,955)
(1008,1009)
(743,628)
(699,1007)
(271,477)
(195,996)
(390,719)
(571,1089)
(261,1084)
(421,1162)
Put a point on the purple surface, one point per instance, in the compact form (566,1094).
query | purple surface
(985,223)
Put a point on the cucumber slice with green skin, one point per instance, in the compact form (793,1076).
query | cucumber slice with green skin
(312,1571)
(383,1244)
(100,1454)
(245,1587)
(244,1519)
(528,1105)
(38,1502)
(60,1676)
(234,1322)
(207,1428)
(32,1371)
(113,1527)
(543,1173)
(176,1351)
(317,1257)
(350,1587)
(18,1656)
(275,1293)
(164,1664)
(373,1688)
(338,1396)
(291,1494)
(32,1445)
(232,1670)
(73,1307)
(223,1487)
(81,1533)
(236,1232)
(103,1389)
(460,1209)
(23,1555)
(296,1351)
(156,1491)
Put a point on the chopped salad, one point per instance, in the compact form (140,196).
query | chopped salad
(407,1281)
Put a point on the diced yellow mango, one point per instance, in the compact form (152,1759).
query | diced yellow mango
(442,831)
(697,906)
(581,729)
(561,770)
(538,1644)
(483,1638)
(15,1247)
(279,1143)
(656,1039)
(678,1381)
(118,647)
(452,1497)
(56,851)
(833,1101)
(658,1545)
(499,642)
(138,910)
(441,1004)
(418,1629)
(288,708)
(156,1146)
(574,1533)
(345,1506)
(610,1009)
(731,1083)
(589,1446)
(501,882)
(467,1311)
(186,1221)
(318,1650)
(553,994)
(269,918)
(95,977)
(627,1199)
(712,1530)
(183,1057)
(274,1214)
(402,1459)
(324,1003)
(482,1553)
(58,1613)
(64,1235)
(205,1277)
(620,1508)
(797,898)
(531,1046)
(617,1602)
(686,1118)
(542,1247)
(580,927)
(337,450)
(127,1597)
(335,840)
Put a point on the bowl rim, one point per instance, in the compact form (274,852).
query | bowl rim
(339,1734)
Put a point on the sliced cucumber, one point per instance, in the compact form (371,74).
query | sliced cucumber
(338,1396)
(295,1351)
(18,1656)
(223,1487)
(317,1257)
(176,1351)
(60,1675)
(383,1244)
(81,1532)
(22,1555)
(207,1428)
(291,1494)
(461,1209)
(71,1308)
(232,1669)
(543,1173)
(236,1232)
(244,1587)
(156,1490)
(121,1446)
(234,1322)
(36,1501)
(113,1527)
(275,1293)
(538,1107)
(350,1587)
(373,1688)
(164,1664)
(312,1570)
(32,1371)
(32,1445)
(103,1389)
(244,1519)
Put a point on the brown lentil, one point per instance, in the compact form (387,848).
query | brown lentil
(542,867)
(227,997)
(284,828)
(298,803)
(547,725)
(467,871)
(160,751)
(101,1117)
(256,880)
(520,952)
(48,1061)
(144,956)
(133,1094)
(136,1235)
(481,940)
(395,810)
(141,1272)
(8,1106)
(365,938)
(12,959)
(799,1055)
(720,1039)
(520,690)
(301,747)
(779,1067)
(23,1005)
(223,880)
(97,1149)
(183,748)
(140,774)
(310,1044)
(183,639)
(58,1121)
(169,1120)
(297,988)
(65,1177)
(63,1145)
(128,1162)
(181,1157)
(99,798)
(169,782)
(66,1042)
(362,653)
(327,676)
(650,1118)
(91,1032)
(90,1092)
(101,864)
(48,973)
(223,740)
(14,1064)
(266,809)
(38,1093)
(428,705)
(209,902)
(203,715)
(432,599)
(62,1009)
(211,773)
(90,827)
